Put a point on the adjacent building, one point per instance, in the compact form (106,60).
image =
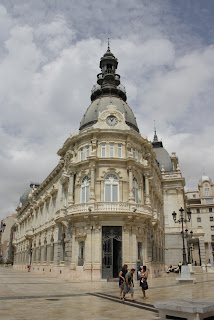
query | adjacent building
(109,200)
(201,204)
(6,248)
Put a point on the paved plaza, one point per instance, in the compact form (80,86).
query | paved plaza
(25,295)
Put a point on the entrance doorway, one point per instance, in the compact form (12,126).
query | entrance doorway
(111,252)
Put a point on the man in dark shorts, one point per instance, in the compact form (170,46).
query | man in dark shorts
(129,284)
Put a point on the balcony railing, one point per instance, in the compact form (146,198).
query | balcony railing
(101,207)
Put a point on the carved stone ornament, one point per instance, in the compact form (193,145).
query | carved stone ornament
(116,116)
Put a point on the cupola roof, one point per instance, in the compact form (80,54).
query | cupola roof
(108,91)
(162,156)
(205,178)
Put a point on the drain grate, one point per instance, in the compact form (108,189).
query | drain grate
(52,299)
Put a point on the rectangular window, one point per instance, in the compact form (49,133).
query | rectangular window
(210,209)
(212,237)
(107,192)
(103,150)
(81,154)
(194,195)
(198,219)
(211,218)
(87,193)
(134,153)
(111,149)
(212,228)
(115,193)
(81,253)
(207,192)
(139,252)
(83,195)
(198,210)
(119,150)
(87,151)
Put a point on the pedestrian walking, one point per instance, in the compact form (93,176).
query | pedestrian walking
(122,279)
(129,284)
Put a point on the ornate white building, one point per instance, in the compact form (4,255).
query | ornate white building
(108,201)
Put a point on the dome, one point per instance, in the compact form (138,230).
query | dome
(163,159)
(24,197)
(108,91)
(205,178)
(100,104)
(162,156)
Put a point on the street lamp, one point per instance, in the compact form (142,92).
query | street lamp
(182,220)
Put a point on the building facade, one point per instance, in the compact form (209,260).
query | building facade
(109,200)
(6,248)
(201,204)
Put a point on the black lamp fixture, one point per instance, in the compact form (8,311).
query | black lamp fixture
(182,220)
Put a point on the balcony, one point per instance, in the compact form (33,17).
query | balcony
(109,207)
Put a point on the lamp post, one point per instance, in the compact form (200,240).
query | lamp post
(182,220)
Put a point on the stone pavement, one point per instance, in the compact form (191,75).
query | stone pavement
(25,295)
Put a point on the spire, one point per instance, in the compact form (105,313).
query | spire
(108,50)
(155,139)
(156,143)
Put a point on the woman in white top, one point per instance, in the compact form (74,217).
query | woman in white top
(143,275)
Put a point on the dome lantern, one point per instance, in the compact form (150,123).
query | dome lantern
(108,80)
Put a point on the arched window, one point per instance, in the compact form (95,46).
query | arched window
(136,190)
(85,190)
(111,188)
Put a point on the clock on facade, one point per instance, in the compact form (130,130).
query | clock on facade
(111,120)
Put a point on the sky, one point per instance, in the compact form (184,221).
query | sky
(49,58)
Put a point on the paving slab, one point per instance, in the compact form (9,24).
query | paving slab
(24,295)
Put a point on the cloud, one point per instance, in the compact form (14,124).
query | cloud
(49,60)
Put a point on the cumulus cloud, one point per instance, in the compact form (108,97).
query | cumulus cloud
(49,61)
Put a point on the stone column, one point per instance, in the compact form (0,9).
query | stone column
(42,254)
(88,248)
(148,201)
(68,244)
(145,252)
(51,252)
(92,196)
(131,194)
(134,246)
(33,255)
(120,191)
(37,254)
(61,196)
(48,253)
(71,189)
(58,245)
(126,246)
(45,252)
(149,245)
(142,192)
(102,191)
(97,244)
